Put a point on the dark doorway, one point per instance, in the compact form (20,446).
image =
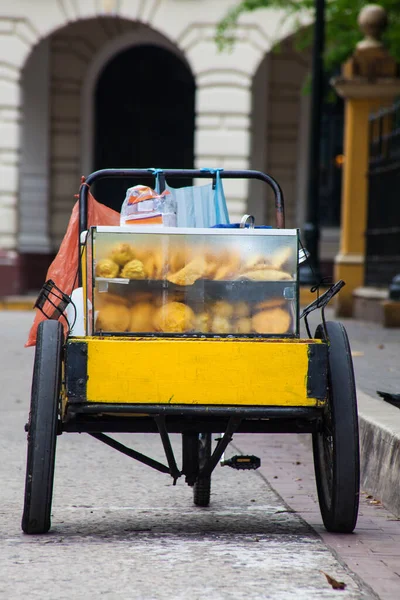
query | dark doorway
(331,163)
(144,117)
(331,156)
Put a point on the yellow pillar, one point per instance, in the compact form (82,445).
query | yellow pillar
(368,82)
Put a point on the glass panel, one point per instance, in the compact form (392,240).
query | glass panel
(90,281)
(239,282)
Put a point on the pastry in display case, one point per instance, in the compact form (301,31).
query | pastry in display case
(193,282)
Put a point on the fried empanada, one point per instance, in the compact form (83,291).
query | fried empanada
(270,303)
(222,308)
(213,261)
(280,257)
(202,322)
(106,268)
(177,260)
(140,296)
(243,325)
(148,266)
(141,317)
(274,320)
(223,273)
(266,275)
(159,264)
(141,252)
(211,269)
(166,296)
(221,325)
(190,273)
(103,298)
(241,309)
(133,270)
(121,254)
(174,317)
(113,317)
(257,261)
(228,266)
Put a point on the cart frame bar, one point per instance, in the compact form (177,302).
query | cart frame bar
(179,174)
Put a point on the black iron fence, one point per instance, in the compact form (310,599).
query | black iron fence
(383,225)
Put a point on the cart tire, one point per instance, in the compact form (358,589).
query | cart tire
(43,426)
(202,486)
(336,445)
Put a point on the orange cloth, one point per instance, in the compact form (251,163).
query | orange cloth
(63,270)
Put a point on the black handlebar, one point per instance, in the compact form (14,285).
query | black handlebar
(179,174)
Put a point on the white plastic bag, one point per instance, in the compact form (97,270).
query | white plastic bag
(143,206)
(201,206)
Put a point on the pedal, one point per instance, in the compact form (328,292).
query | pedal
(242,462)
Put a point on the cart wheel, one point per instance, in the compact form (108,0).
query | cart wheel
(336,446)
(43,424)
(202,486)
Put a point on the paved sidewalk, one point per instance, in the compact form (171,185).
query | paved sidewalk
(376,354)
(376,358)
(372,551)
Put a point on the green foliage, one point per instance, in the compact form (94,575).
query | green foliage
(342,32)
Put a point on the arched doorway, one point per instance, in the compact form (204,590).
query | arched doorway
(144,116)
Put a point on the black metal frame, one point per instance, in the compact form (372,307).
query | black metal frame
(321,303)
(52,302)
(303,421)
(190,421)
(179,174)
(190,464)
(383,223)
(172,174)
(191,411)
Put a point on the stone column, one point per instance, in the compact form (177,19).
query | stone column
(224,103)
(222,136)
(11,51)
(33,234)
(368,82)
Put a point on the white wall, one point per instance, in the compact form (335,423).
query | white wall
(260,195)
(224,82)
(35,168)
(286,139)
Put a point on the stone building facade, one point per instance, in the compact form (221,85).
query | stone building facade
(248,111)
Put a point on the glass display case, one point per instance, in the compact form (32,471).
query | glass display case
(158,281)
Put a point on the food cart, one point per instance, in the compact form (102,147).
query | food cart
(194,331)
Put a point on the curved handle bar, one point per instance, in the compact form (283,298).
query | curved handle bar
(180,174)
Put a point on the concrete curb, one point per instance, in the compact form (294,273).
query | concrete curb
(379,424)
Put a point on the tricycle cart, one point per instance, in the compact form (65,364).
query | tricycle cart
(196,332)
